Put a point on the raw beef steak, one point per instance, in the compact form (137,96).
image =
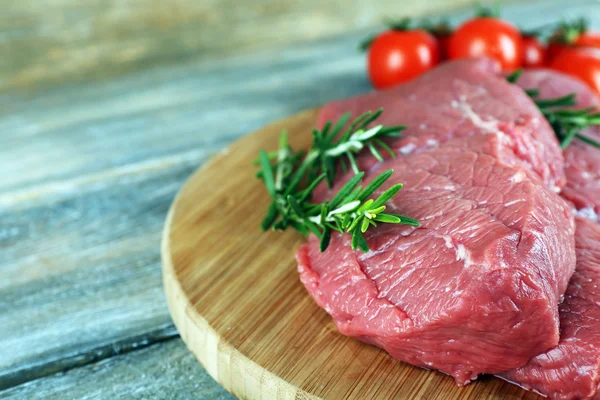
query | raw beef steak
(475,289)
(458,99)
(571,370)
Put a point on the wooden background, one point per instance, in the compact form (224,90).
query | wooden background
(106,107)
(55,41)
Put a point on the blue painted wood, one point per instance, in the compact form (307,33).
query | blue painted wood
(163,371)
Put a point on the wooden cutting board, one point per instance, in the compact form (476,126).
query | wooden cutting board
(236,299)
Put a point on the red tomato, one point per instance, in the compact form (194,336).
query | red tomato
(554,49)
(398,56)
(561,41)
(583,63)
(588,39)
(491,37)
(534,52)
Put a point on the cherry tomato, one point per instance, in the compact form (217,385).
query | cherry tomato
(491,37)
(571,34)
(583,63)
(554,49)
(398,56)
(588,39)
(534,52)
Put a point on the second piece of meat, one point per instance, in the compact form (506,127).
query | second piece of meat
(571,370)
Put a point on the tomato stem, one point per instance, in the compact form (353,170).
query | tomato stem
(487,11)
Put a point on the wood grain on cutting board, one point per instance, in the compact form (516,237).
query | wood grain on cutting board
(237,301)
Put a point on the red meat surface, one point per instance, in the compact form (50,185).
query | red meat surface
(458,99)
(582,162)
(571,370)
(476,288)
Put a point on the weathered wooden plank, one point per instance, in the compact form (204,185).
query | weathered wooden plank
(80,274)
(83,356)
(163,371)
(76,130)
(75,40)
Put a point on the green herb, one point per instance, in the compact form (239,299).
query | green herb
(334,143)
(291,177)
(566,121)
(513,77)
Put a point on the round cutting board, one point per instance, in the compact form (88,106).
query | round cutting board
(236,299)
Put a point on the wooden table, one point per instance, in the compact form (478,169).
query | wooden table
(89,169)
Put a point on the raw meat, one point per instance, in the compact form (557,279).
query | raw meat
(582,162)
(571,370)
(458,99)
(476,288)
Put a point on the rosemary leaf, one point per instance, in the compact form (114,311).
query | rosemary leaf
(407,220)
(339,125)
(346,189)
(387,195)
(374,185)
(566,121)
(325,240)
(350,206)
(359,242)
(375,152)
(270,217)
(389,218)
(353,163)
(301,228)
(354,195)
(588,140)
(568,138)
(514,76)
(364,225)
(370,117)
(295,206)
(291,177)
(307,193)
(267,171)
(384,146)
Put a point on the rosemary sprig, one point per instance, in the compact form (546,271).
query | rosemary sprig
(350,210)
(566,121)
(335,143)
